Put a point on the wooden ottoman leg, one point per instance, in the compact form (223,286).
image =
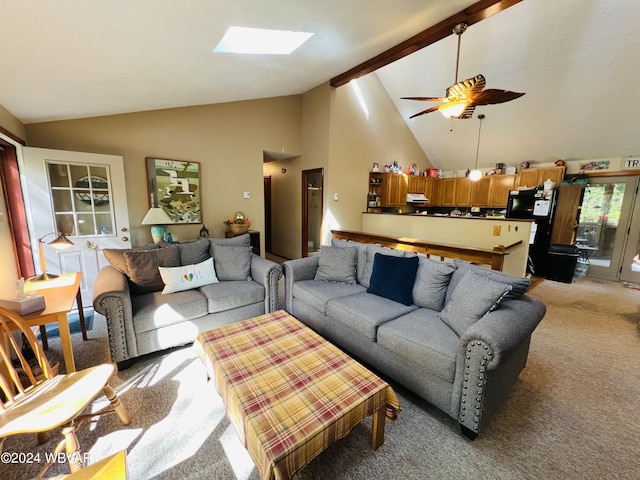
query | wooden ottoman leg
(377,429)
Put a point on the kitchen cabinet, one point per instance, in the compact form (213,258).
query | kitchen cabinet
(462,196)
(416,184)
(481,191)
(531,177)
(433,192)
(565,225)
(448,192)
(391,188)
(500,187)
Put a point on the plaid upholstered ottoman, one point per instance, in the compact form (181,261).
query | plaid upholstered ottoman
(288,392)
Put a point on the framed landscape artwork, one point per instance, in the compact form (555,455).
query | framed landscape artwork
(174,185)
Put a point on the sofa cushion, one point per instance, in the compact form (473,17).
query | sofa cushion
(317,294)
(152,311)
(243,240)
(232,262)
(519,285)
(115,256)
(393,277)
(473,297)
(186,277)
(192,253)
(143,267)
(337,264)
(364,312)
(228,295)
(371,256)
(422,338)
(362,255)
(432,281)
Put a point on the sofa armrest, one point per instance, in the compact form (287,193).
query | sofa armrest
(295,271)
(504,329)
(111,298)
(491,355)
(268,274)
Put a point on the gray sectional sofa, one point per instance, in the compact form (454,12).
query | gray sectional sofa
(454,333)
(199,285)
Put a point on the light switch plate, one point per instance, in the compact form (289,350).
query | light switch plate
(246,194)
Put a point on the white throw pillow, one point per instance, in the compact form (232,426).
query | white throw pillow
(177,279)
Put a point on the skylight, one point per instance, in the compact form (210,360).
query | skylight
(260,41)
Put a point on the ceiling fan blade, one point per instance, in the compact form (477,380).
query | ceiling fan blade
(425,99)
(428,110)
(493,96)
(468,87)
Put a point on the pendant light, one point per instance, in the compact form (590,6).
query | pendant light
(475,174)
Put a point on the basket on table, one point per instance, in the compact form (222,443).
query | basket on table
(236,228)
(238,223)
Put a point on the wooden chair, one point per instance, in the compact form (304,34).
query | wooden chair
(39,401)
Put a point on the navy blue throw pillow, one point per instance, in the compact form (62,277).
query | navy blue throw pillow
(393,277)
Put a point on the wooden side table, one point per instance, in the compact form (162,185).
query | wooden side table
(59,296)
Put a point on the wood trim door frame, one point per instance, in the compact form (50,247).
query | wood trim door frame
(16,212)
(267,214)
(305,206)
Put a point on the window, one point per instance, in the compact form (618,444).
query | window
(80,197)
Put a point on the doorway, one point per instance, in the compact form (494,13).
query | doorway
(312,208)
(267,214)
(608,226)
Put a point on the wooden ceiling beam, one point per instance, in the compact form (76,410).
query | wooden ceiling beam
(470,15)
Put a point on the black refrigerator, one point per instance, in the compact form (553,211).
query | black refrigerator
(539,206)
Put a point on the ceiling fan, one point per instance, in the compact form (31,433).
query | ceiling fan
(463,97)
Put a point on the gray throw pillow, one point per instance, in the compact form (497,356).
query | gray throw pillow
(337,264)
(362,255)
(232,262)
(142,265)
(471,300)
(192,253)
(432,281)
(519,285)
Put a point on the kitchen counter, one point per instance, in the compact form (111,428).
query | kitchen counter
(480,232)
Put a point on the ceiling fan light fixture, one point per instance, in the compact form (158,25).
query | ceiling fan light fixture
(452,109)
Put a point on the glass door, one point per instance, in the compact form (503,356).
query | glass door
(604,222)
(630,269)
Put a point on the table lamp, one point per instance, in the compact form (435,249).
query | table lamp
(59,243)
(157,218)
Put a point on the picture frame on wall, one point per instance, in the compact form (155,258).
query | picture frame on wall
(174,185)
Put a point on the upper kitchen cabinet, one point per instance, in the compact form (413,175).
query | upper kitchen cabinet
(500,187)
(391,188)
(481,191)
(531,177)
(447,188)
(463,191)
(416,184)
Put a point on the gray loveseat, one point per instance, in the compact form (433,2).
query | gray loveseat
(454,333)
(142,319)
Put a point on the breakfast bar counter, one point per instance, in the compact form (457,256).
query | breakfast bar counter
(469,231)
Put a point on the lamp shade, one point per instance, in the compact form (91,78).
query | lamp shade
(453,109)
(156,216)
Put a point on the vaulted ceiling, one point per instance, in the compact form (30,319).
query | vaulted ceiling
(576,60)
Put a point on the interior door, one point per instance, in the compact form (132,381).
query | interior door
(83,196)
(604,221)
